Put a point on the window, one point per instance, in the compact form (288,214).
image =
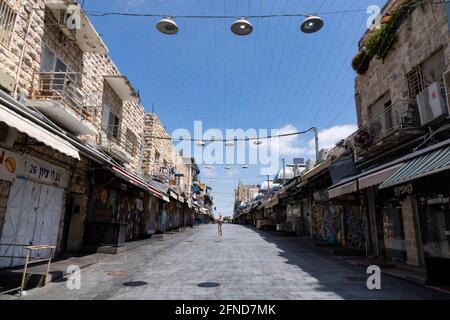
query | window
(415,83)
(51,64)
(433,68)
(429,71)
(132,143)
(7,21)
(110,123)
(157,157)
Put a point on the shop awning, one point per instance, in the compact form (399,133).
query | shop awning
(343,189)
(271,203)
(133,179)
(422,166)
(377,177)
(162,188)
(173,194)
(33,130)
(363,180)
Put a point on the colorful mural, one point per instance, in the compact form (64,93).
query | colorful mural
(337,224)
(355,228)
(331,224)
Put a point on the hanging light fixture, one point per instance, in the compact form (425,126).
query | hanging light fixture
(257,142)
(229,143)
(242,27)
(208,167)
(227,167)
(312,24)
(201,143)
(167,26)
(245,166)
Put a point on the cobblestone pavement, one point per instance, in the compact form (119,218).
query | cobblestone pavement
(245,263)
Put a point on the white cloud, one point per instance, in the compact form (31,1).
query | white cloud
(329,137)
(287,146)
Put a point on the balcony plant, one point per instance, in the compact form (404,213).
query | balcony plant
(362,139)
(378,43)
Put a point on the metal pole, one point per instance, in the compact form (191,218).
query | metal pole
(316,139)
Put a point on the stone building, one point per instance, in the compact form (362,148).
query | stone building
(161,159)
(402,145)
(68,118)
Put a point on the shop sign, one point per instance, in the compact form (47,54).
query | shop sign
(9,164)
(403,190)
(14,165)
(43,172)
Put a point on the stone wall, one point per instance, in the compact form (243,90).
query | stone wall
(30,45)
(96,66)
(424,32)
(164,148)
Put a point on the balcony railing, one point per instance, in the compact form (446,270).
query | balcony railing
(400,116)
(114,140)
(113,133)
(65,87)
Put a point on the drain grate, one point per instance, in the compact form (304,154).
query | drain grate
(208,285)
(135,283)
(118,273)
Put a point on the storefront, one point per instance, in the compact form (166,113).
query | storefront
(422,185)
(34,206)
(118,208)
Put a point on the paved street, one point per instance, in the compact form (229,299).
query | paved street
(245,263)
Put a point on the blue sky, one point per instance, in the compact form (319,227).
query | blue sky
(275,78)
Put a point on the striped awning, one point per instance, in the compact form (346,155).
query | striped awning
(133,179)
(422,166)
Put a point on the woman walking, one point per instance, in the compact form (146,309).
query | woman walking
(219,226)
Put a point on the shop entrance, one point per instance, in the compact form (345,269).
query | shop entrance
(32,217)
(392,234)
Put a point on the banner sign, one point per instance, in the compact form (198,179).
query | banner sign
(14,165)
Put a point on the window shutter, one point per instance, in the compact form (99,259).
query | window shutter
(434,68)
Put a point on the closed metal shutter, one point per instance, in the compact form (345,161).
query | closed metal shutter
(434,68)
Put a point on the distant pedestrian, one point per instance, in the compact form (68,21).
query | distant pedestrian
(219,226)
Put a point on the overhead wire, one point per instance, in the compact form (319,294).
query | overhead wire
(307,63)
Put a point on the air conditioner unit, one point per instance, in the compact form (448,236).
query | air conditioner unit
(310,164)
(70,33)
(323,153)
(447,89)
(7,135)
(432,103)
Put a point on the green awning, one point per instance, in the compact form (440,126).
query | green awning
(425,165)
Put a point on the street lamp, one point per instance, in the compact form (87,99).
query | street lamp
(257,142)
(167,26)
(242,27)
(312,24)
